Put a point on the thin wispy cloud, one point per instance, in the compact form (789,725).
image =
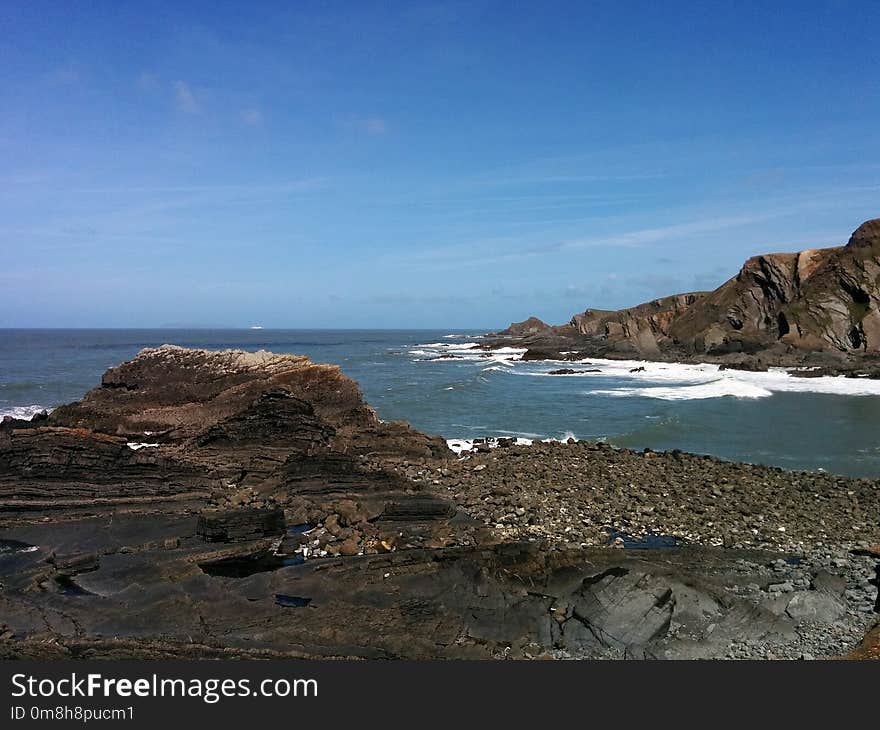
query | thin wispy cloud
(93,217)
(674,231)
(185,98)
(829,200)
(551,243)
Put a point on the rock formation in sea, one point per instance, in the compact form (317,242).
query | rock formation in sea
(232,504)
(818,305)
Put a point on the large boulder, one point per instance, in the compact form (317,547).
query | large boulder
(232,396)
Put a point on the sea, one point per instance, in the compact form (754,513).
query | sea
(441,383)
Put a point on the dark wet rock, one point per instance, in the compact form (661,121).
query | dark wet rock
(865,368)
(14,546)
(752,366)
(649,541)
(829,584)
(70,565)
(51,468)
(277,418)
(240,524)
(246,564)
(419,509)
(514,600)
(536,355)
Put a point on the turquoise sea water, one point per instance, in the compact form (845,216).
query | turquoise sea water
(771,419)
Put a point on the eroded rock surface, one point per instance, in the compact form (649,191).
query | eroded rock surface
(204,504)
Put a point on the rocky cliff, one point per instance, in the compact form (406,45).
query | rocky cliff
(646,327)
(787,307)
(818,299)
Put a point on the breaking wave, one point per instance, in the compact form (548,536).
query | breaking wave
(645,379)
(715,389)
(23,412)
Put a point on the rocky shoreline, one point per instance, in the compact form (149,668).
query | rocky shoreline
(816,311)
(203,504)
(577,495)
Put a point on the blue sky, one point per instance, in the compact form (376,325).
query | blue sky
(437,164)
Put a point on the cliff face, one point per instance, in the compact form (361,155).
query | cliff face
(787,305)
(646,327)
(819,299)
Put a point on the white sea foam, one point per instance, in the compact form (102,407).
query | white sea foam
(715,389)
(460,446)
(662,380)
(467,351)
(546,374)
(522,434)
(680,381)
(500,360)
(687,381)
(451,345)
(23,412)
